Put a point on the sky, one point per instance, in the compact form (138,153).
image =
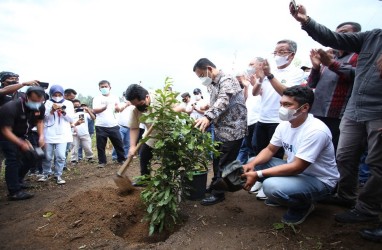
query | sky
(77,43)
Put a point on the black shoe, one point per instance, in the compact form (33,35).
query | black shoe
(20,196)
(336,200)
(354,216)
(373,234)
(25,185)
(211,200)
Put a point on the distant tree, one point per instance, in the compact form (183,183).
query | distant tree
(88,100)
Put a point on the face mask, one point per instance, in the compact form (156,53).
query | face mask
(33,105)
(306,75)
(251,71)
(281,60)
(286,114)
(198,97)
(142,108)
(206,80)
(12,82)
(105,91)
(57,99)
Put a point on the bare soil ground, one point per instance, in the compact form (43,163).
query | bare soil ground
(88,213)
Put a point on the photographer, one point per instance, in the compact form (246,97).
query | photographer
(17,117)
(81,136)
(58,116)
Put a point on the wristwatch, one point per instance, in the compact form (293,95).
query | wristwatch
(270,76)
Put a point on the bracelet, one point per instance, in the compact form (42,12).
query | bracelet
(260,174)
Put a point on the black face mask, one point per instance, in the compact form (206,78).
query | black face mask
(142,108)
(11,82)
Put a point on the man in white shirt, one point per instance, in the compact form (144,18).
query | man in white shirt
(81,136)
(271,88)
(105,106)
(310,172)
(253,104)
(124,130)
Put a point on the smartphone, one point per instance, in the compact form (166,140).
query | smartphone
(44,85)
(293,7)
(81,116)
(79,110)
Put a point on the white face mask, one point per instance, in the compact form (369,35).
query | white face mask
(198,97)
(306,75)
(206,80)
(251,71)
(57,98)
(286,114)
(281,60)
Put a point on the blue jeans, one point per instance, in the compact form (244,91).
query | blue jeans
(125,134)
(364,171)
(247,149)
(297,191)
(57,150)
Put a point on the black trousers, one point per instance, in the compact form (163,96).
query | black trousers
(145,156)
(334,127)
(264,133)
(102,133)
(228,153)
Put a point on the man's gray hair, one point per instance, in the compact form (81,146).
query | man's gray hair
(292,45)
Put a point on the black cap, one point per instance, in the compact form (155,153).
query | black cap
(4,75)
(197,91)
(185,94)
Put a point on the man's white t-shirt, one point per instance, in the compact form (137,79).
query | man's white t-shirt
(124,116)
(253,104)
(270,99)
(83,128)
(311,142)
(108,117)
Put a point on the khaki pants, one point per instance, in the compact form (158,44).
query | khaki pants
(86,142)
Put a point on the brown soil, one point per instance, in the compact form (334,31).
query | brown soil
(88,213)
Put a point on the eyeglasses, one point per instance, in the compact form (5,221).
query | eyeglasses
(282,52)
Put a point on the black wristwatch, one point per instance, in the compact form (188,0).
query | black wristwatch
(209,118)
(270,77)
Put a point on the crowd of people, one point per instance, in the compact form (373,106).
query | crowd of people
(301,135)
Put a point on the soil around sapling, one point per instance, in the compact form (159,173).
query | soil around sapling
(89,213)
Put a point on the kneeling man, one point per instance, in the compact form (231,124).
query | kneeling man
(310,171)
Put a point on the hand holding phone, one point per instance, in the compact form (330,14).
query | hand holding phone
(293,7)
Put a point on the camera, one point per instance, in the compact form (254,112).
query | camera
(35,154)
(63,107)
(44,85)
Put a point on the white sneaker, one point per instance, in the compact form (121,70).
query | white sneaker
(60,181)
(255,188)
(44,178)
(260,195)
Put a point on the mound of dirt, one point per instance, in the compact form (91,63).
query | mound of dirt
(97,217)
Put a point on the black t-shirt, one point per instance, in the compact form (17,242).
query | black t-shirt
(9,97)
(18,116)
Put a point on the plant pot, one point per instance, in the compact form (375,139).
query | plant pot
(197,187)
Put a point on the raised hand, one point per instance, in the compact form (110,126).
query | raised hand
(315,59)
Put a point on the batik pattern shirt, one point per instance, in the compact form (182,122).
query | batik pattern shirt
(227,108)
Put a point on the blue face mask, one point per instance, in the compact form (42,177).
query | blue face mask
(33,105)
(105,91)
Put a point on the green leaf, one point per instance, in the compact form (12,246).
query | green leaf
(48,214)
(278,226)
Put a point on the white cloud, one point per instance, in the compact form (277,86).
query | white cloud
(78,43)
